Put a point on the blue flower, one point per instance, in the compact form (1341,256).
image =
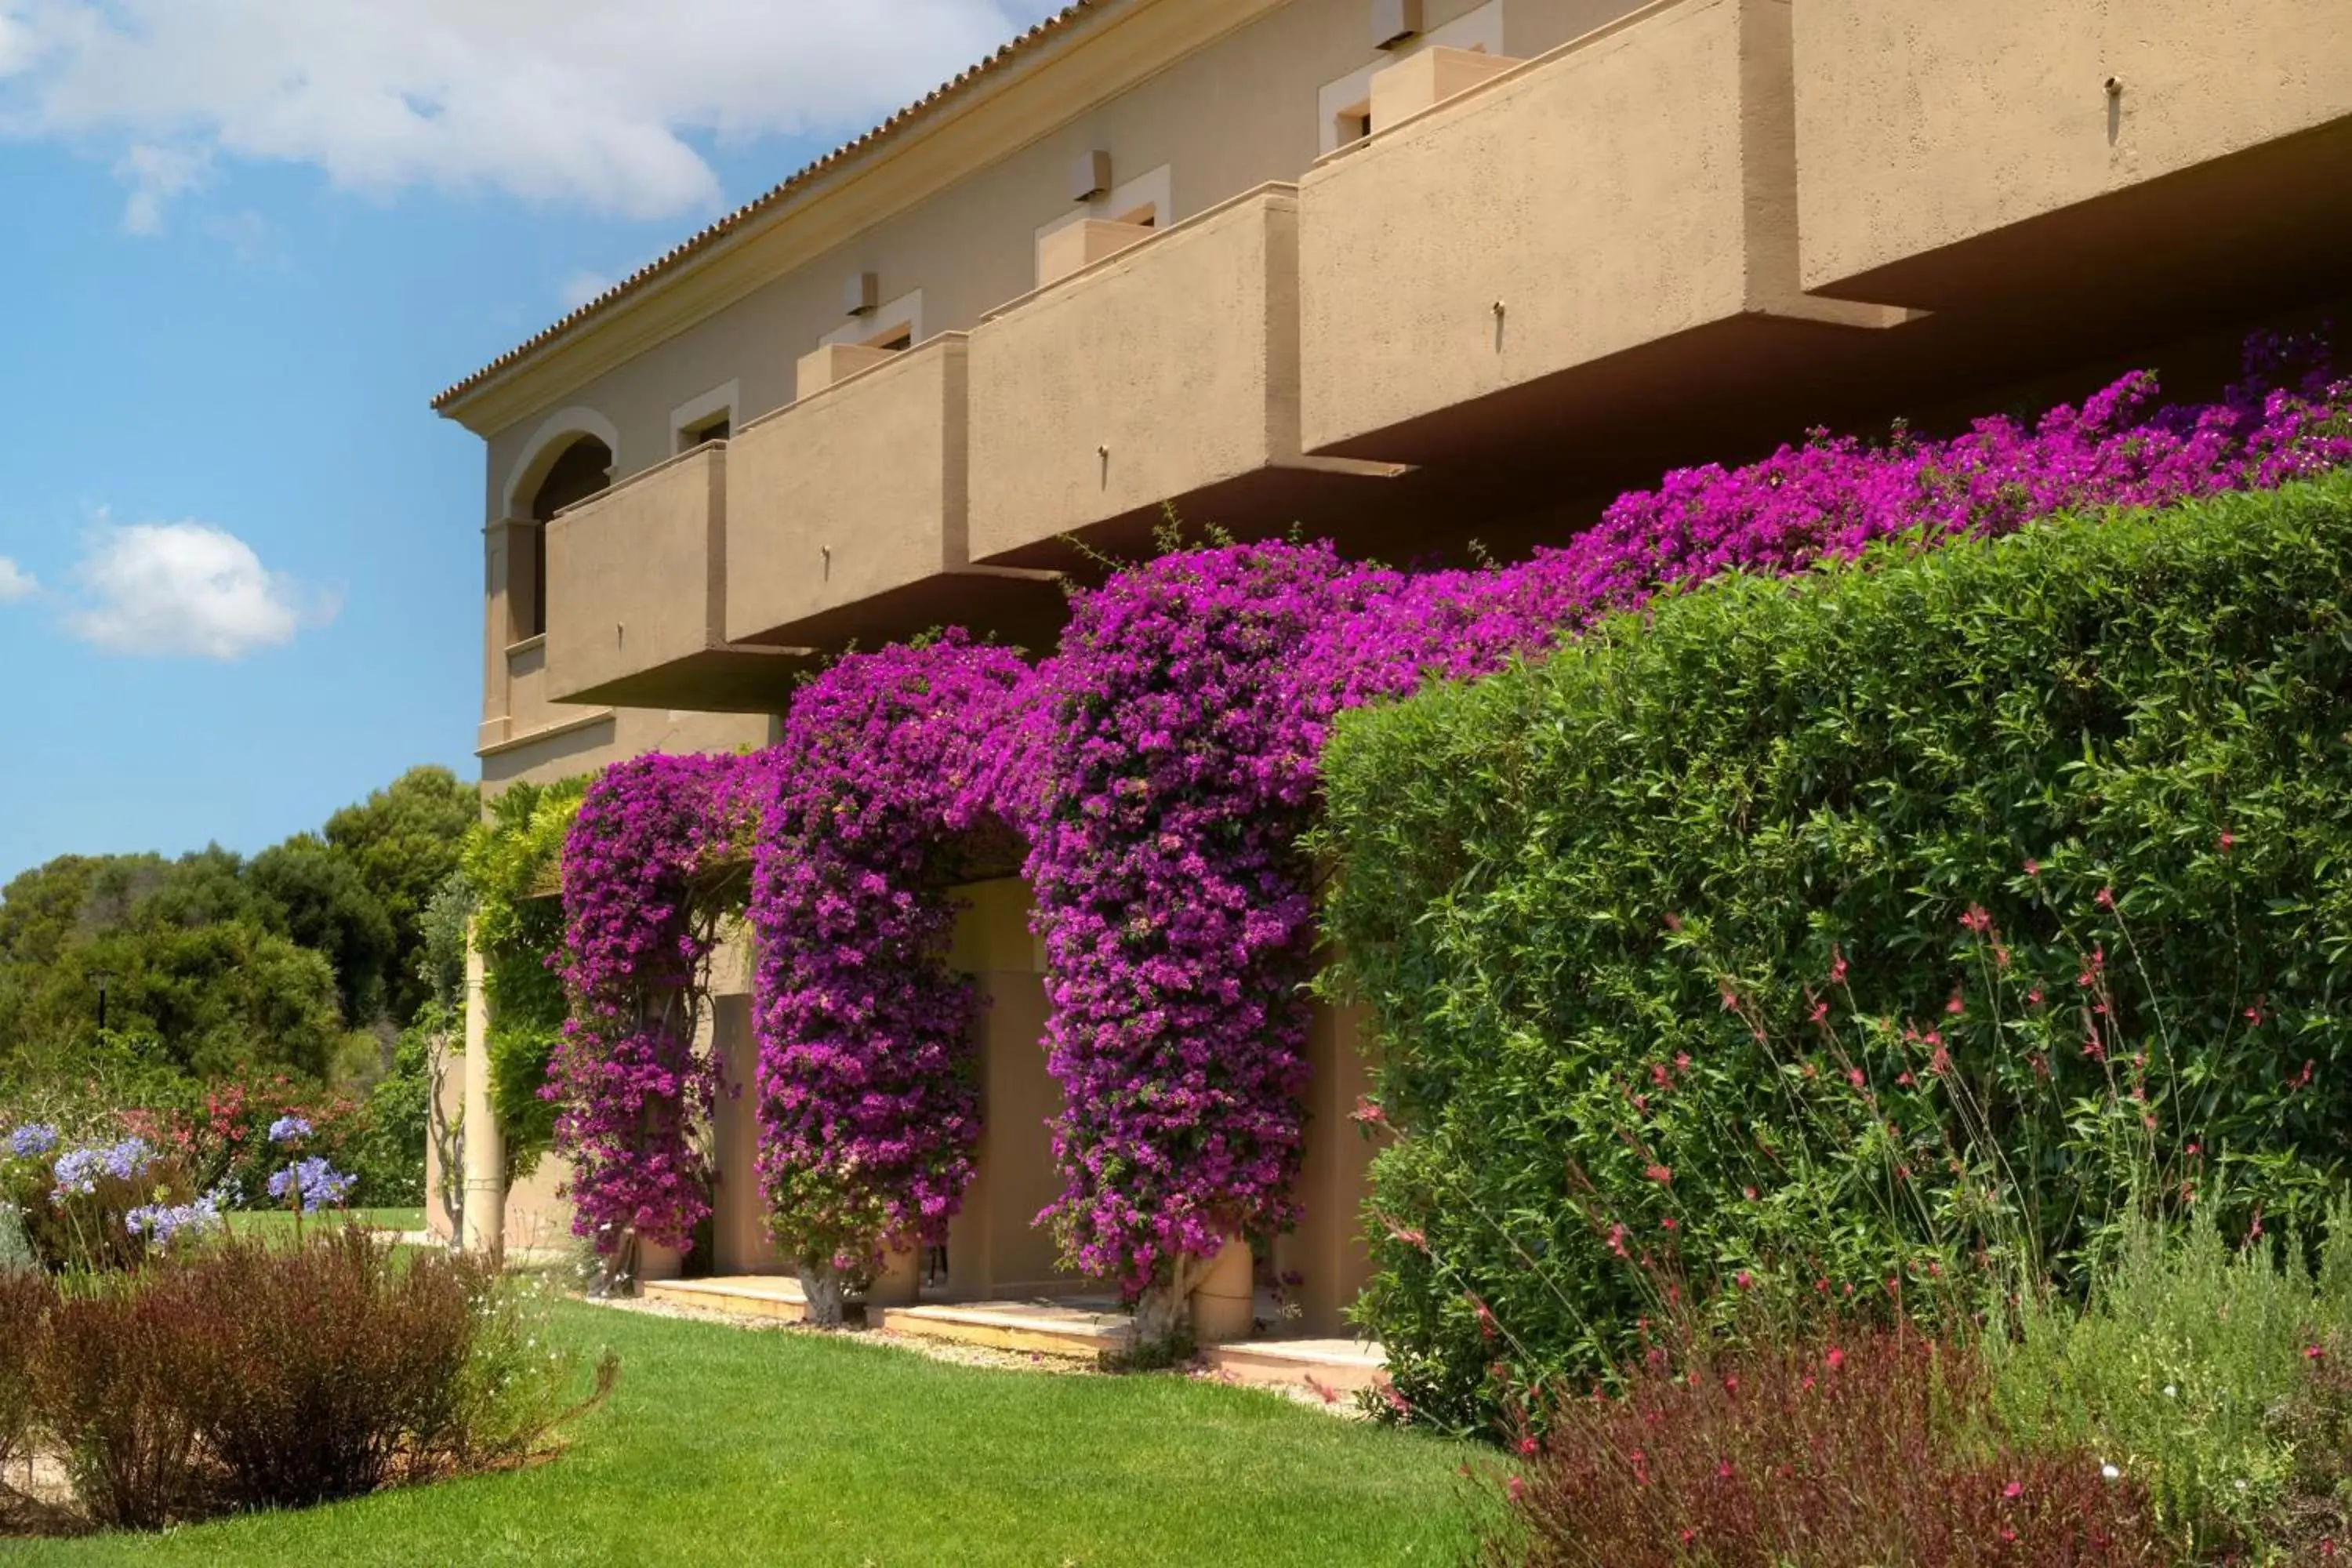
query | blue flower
(285,1129)
(31,1139)
(78,1170)
(318,1184)
(162,1222)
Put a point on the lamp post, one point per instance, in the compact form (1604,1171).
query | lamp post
(101,976)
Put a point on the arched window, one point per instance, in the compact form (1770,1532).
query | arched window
(582,469)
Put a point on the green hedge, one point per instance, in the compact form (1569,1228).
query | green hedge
(1596,906)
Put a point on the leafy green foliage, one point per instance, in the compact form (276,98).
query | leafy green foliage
(404,842)
(316,899)
(215,965)
(2206,1375)
(512,864)
(1667,933)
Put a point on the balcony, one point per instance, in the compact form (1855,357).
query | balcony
(1167,372)
(636,581)
(846,512)
(1577,246)
(2130,152)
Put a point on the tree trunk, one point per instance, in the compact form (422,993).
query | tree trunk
(1163,1313)
(823,1289)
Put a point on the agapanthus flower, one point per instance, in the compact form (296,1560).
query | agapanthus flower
(79,1171)
(31,1140)
(317,1184)
(287,1128)
(162,1222)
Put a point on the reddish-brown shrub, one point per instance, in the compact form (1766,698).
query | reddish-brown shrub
(324,1370)
(1861,1453)
(25,1300)
(243,1374)
(109,1383)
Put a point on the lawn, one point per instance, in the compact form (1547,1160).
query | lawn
(270,1221)
(723,1446)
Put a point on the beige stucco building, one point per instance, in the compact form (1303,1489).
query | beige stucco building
(1406,272)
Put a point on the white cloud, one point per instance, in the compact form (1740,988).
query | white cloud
(587,103)
(187,588)
(155,175)
(583,287)
(16,583)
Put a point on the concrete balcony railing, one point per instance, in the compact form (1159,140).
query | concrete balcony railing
(1954,154)
(847,513)
(636,584)
(1166,372)
(528,708)
(1574,235)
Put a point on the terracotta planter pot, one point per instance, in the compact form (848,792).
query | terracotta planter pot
(1225,1302)
(899,1282)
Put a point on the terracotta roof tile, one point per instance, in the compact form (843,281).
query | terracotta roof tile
(939,97)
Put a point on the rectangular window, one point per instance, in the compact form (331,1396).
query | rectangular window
(712,430)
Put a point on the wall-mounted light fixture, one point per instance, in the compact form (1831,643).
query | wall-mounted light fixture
(862,295)
(1090,176)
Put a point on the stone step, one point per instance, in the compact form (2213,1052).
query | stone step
(1044,1328)
(772,1296)
(1333,1369)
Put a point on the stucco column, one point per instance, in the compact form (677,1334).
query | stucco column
(485,1147)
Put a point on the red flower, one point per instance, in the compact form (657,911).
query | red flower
(1834,1360)
(1662,1174)
(2033,867)
(2229,841)
(2014,1489)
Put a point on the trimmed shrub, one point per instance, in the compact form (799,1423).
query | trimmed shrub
(1834,928)
(1846,1453)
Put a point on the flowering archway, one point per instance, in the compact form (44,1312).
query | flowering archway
(652,868)
(887,785)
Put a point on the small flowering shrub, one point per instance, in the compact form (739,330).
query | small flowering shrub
(1853,1451)
(879,799)
(227,1138)
(1844,930)
(654,838)
(92,1205)
(2209,1376)
(250,1375)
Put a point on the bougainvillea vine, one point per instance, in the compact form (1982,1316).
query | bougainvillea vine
(656,840)
(1162,765)
(880,795)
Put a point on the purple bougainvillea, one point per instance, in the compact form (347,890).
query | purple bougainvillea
(1161,765)
(634,1102)
(868,1108)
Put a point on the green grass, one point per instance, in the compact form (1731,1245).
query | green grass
(270,1221)
(727,1446)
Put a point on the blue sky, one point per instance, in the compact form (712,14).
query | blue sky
(244,242)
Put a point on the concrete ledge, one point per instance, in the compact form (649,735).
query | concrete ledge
(775,1297)
(1328,1367)
(1042,1328)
